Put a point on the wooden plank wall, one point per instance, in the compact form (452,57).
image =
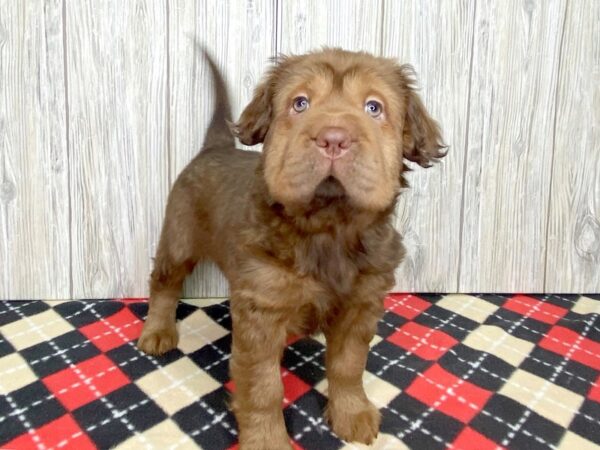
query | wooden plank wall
(117,126)
(35,239)
(509,152)
(437,39)
(573,253)
(103,103)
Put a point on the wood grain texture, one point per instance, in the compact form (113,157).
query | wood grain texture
(436,39)
(240,36)
(310,24)
(573,262)
(117,82)
(34,195)
(102,104)
(511,119)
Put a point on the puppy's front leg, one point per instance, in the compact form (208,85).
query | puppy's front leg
(259,337)
(351,415)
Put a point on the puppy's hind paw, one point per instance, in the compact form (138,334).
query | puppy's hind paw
(158,341)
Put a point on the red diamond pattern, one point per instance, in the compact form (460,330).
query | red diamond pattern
(408,306)
(469,439)
(594,393)
(113,331)
(424,342)
(534,308)
(563,341)
(445,392)
(86,381)
(61,433)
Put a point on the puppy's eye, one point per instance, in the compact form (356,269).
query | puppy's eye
(373,108)
(300,104)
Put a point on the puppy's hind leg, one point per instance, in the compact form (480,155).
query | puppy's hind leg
(176,257)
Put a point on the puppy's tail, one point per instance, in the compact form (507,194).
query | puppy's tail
(219,133)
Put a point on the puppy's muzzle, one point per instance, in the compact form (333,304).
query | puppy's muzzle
(333,142)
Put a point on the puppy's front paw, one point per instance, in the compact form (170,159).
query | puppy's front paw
(156,341)
(354,421)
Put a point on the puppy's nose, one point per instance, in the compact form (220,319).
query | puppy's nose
(333,142)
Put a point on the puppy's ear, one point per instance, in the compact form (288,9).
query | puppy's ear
(422,140)
(254,122)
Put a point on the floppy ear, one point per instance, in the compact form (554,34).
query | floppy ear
(253,124)
(256,118)
(422,140)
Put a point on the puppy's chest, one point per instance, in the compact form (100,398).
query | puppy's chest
(333,262)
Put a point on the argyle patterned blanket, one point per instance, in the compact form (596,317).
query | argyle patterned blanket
(447,371)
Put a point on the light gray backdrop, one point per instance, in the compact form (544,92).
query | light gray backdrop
(102,103)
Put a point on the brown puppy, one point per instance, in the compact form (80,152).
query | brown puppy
(302,230)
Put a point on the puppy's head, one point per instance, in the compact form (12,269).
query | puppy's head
(338,124)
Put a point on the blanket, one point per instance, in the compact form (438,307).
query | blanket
(447,371)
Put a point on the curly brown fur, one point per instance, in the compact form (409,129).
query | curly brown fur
(305,238)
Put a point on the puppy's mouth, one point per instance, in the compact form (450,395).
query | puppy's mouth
(330,189)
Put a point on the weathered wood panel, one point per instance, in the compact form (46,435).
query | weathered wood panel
(311,24)
(34,185)
(92,139)
(240,36)
(436,38)
(510,128)
(573,263)
(117,83)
